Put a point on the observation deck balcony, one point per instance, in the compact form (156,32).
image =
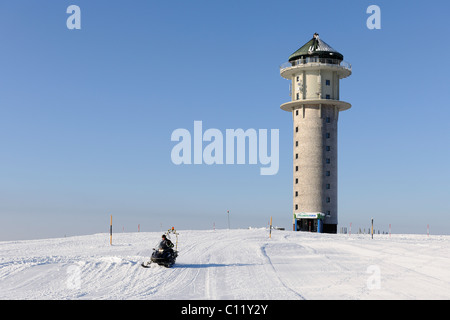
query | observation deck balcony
(288,69)
(338,104)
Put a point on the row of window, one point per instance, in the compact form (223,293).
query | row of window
(327,82)
(327,135)
(327,160)
(328,199)
(327,173)
(328,211)
(327,148)
(327,119)
(328,186)
(327,96)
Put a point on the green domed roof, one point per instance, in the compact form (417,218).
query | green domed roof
(316,47)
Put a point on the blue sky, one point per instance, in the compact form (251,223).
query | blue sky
(86,115)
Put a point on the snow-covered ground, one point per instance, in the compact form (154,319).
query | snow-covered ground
(229,264)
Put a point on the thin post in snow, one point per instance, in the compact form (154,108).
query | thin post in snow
(270,228)
(371,229)
(110,231)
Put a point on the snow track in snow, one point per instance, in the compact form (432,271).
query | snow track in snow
(228,264)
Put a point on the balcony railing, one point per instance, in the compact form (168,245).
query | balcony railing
(316,61)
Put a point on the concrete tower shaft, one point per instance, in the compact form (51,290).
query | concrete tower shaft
(315,161)
(315,108)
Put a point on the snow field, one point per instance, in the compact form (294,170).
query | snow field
(229,265)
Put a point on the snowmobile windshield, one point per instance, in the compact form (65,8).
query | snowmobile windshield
(162,245)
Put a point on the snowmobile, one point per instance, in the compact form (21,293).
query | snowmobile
(163,255)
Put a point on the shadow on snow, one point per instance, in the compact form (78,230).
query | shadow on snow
(210,265)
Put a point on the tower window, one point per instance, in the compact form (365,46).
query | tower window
(328,173)
(298,96)
(327,82)
(327,135)
(327,160)
(296,181)
(328,97)
(328,186)
(328,119)
(296,129)
(296,168)
(296,112)
(328,200)
(296,207)
(328,148)
(296,143)
(296,156)
(296,193)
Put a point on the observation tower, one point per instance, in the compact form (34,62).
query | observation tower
(314,71)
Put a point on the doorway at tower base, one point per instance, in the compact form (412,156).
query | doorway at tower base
(309,225)
(313,222)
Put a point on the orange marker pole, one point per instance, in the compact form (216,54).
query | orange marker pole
(270,233)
